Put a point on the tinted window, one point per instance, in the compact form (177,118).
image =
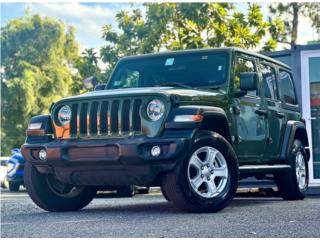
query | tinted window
(269,81)
(243,65)
(127,78)
(192,69)
(287,88)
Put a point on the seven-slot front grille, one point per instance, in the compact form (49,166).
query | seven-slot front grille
(114,117)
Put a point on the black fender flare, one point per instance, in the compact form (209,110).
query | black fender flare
(200,135)
(293,130)
(210,115)
(44,133)
(219,116)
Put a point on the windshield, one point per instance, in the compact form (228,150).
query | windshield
(181,70)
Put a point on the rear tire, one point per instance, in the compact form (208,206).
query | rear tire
(213,184)
(52,195)
(14,186)
(292,185)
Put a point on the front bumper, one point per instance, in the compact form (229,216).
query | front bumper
(104,162)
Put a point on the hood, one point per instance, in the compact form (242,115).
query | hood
(181,94)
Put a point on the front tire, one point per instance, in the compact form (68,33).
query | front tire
(293,185)
(52,195)
(207,180)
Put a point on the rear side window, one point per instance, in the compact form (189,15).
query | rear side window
(288,94)
(268,74)
(243,65)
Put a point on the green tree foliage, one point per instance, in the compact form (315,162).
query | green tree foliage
(87,66)
(88,63)
(38,56)
(174,26)
(290,13)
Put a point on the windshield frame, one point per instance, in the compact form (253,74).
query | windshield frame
(224,85)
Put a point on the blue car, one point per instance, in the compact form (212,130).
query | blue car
(15,170)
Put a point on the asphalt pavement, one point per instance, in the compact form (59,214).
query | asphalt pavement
(152,216)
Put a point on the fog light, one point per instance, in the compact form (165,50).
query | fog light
(43,155)
(155,151)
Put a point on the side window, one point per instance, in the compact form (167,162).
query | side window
(286,86)
(243,65)
(269,81)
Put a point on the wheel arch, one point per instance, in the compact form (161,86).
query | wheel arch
(216,121)
(294,130)
(44,133)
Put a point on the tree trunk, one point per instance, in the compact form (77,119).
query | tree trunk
(295,21)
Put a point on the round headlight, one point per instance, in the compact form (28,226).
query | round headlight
(64,115)
(155,109)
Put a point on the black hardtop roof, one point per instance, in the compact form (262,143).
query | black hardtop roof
(205,50)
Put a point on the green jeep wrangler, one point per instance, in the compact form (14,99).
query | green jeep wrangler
(192,122)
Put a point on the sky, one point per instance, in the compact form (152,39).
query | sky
(88,18)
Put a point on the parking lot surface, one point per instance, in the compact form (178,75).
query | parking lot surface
(152,216)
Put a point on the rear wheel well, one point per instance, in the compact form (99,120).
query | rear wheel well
(218,124)
(301,134)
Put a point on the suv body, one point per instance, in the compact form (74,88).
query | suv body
(192,122)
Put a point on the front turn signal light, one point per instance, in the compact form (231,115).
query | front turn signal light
(188,118)
(34,126)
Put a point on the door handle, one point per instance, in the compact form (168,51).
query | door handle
(280,115)
(261,112)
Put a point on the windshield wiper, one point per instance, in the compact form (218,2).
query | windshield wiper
(174,84)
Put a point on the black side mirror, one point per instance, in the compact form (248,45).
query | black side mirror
(100,87)
(90,82)
(248,81)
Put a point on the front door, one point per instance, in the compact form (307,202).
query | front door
(250,123)
(310,75)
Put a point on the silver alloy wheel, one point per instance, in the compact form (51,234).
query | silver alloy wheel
(61,189)
(301,172)
(207,172)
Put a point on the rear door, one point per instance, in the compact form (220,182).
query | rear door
(275,118)
(250,121)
